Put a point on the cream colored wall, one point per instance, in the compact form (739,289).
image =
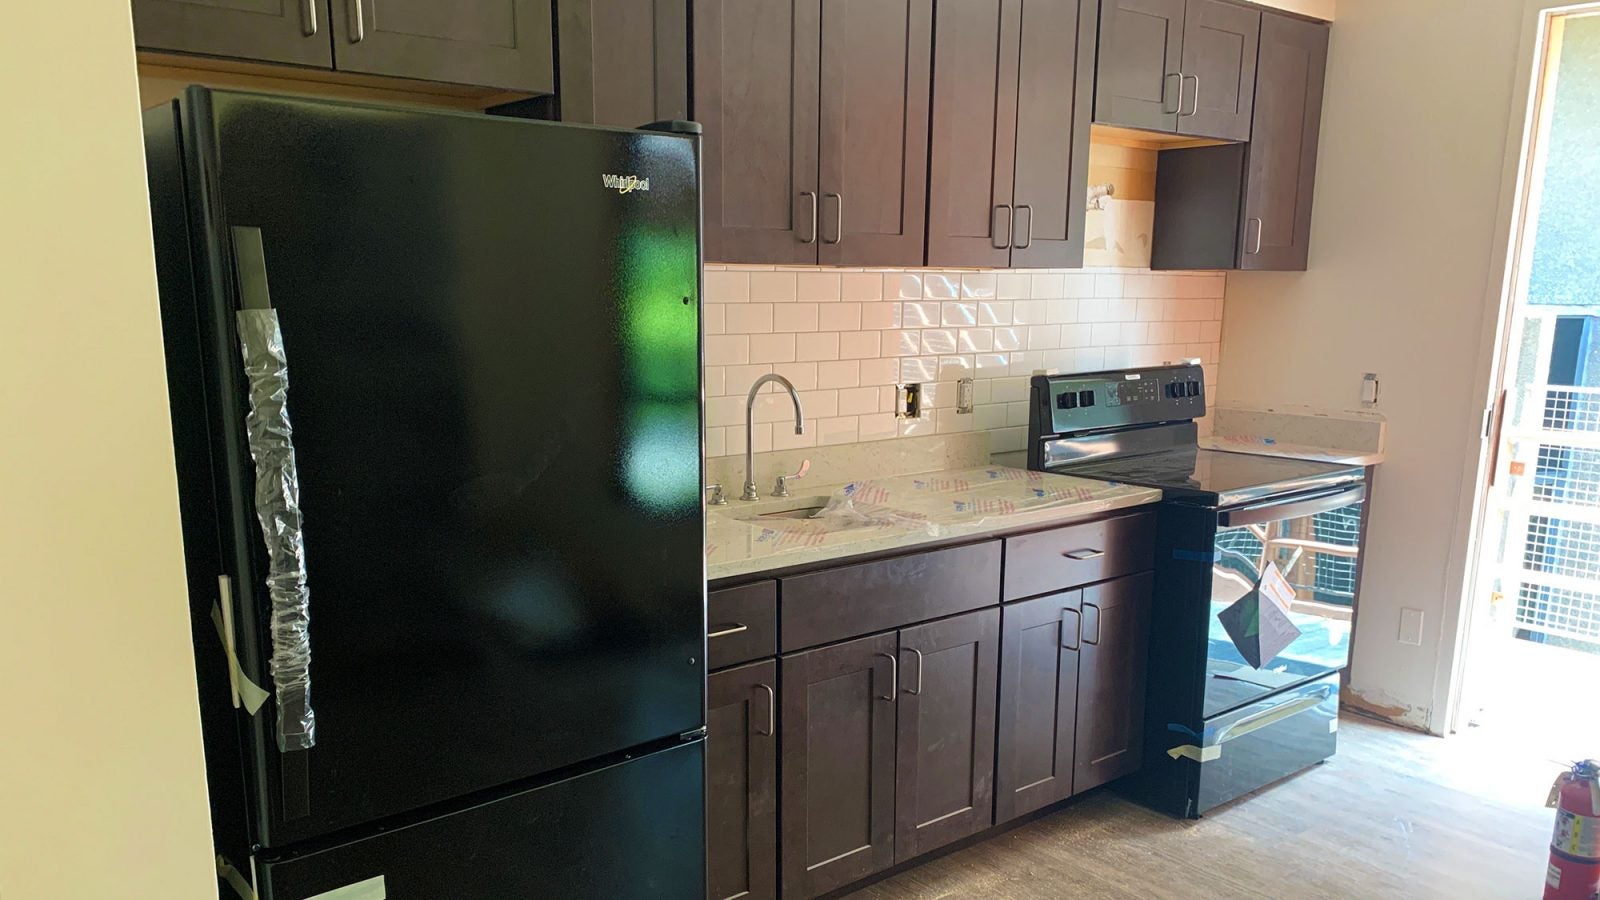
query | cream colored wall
(1403,281)
(102,792)
(1321,9)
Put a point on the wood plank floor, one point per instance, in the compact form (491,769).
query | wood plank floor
(1394,814)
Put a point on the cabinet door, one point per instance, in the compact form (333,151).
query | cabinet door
(1136,80)
(974,132)
(284,31)
(495,43)
(623,62)
(944,772)
(1219,67)
(1054,92)
(1282,165)
(755,94)
(877,58)
(1039,645)
(838,764)
(742,783)
(1111,680)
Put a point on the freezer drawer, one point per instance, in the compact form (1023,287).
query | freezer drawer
(633,829)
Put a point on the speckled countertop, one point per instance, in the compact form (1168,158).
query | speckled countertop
(1266,446)
(1352,437)
(901,511)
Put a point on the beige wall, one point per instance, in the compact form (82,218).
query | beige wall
(102,792)
(1322,9)
(1403,281)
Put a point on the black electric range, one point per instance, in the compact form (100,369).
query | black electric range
(1257,560)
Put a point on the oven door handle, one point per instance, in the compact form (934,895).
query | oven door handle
(1293,509)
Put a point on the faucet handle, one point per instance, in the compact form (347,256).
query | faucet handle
(717,498)
(782,489)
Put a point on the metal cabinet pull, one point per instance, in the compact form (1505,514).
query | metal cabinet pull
(1084,554)
(1029,230)
(358,29)
(1164,82)
(813,238)
(308,17)
(994,229)
(918,689)
(772,710)
(894,676)
(730,628)
(1195,103)
(1091,629)
(1076,630)
(1260,227)
(838,218)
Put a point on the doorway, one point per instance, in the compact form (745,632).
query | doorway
(1532,655)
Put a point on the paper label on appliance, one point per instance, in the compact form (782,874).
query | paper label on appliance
(1552,876)
(371,889)
(1276,588)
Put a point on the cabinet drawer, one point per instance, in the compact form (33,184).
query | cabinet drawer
(741,624)
(853,600)
(1079,554)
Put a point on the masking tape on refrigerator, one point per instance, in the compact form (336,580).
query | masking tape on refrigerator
(247,695)
(277,497)
(235,879)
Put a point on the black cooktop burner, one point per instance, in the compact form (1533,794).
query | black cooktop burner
(1216,477)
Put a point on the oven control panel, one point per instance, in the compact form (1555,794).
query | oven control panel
(1064,404)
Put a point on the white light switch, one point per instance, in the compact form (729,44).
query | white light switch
(1411,626)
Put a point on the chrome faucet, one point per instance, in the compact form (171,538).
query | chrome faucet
(749,429)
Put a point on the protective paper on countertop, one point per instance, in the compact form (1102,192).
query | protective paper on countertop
(969,497)
(277,497)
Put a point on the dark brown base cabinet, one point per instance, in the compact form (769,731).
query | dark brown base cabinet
(1071,692)
(742,782)
(888,743)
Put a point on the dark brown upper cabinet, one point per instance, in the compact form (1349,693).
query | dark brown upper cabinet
(1178,66)
(1040,643)
(742,783)
(623,62)
(1248,206)
(505,44)
(816,129)
(495,43)
(838,754)
(1111,680)
(944,772)
(1282,160)
(756,75)
(1011,109)
(280,31)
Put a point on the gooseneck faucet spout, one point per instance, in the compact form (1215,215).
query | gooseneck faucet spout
(749,429)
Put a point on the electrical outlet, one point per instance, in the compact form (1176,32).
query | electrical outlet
(1369,389)
(1411,626)
(964,389)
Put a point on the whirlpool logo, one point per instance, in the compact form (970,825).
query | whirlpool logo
(625,184)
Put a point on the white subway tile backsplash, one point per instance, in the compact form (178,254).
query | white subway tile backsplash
(941,286)
(817,345)
(846,338)
(839,317)
(771,348)
(939,340)
(750,318)
(860,344)
(817,287)
(794,317)
(860,286)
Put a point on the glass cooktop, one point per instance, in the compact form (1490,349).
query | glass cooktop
(1216,477)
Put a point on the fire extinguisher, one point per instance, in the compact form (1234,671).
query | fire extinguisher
(1574,872)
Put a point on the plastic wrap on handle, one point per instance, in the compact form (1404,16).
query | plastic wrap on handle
(277,496)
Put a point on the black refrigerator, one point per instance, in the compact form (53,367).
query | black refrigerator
(435,390)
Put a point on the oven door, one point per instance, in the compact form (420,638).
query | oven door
(1268,633)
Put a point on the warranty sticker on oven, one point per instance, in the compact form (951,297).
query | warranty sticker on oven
(1261,628)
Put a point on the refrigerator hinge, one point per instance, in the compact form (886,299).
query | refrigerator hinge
(694,735)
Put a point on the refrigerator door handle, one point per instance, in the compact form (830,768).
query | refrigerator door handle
(277,492)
